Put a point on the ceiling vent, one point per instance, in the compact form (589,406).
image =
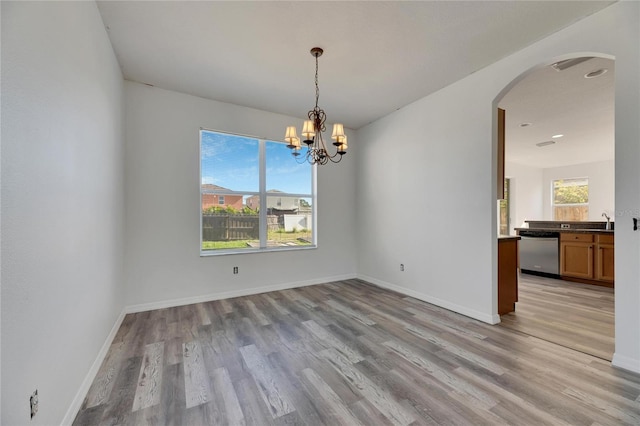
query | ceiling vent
(568,63)
(545,143)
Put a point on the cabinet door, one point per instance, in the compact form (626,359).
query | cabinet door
(605,263)
(507,276)
(576,259)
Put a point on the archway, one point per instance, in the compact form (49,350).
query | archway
(556,132)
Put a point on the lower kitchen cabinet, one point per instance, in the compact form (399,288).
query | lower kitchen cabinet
(576,255)
(605,263)
(507,274)
(587,256)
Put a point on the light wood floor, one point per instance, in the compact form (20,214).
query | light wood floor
(345,353)
(578,316)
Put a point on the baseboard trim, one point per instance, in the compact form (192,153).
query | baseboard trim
(626,363)
(76,404)
(234,293)
(480,316)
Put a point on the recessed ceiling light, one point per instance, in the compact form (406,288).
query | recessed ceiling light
(557,136)
(545,143)
(525,124)
(596,73)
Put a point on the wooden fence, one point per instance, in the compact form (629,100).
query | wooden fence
(226,227)
(571,213)
(223,227)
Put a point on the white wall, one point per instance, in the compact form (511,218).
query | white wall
(62,202)
(526,201)
(601,187)
(447,165)
(162,259)
(531,189)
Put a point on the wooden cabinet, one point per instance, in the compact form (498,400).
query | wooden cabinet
(507,274)
(587,256)
(576,255)
(604,258)
(501,150)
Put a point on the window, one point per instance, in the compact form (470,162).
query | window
(253,196)
(570,199)
(505,219)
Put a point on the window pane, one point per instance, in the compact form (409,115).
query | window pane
(504,209)
(571,199)
(229,226)
(232,195)
(289,221)
(284,174)
(229,162)
(570,191)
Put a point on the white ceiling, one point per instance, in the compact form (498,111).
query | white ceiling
(379,56)
(561,102)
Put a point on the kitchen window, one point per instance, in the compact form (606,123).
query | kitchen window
(254,196)
(505,218)
(570,199)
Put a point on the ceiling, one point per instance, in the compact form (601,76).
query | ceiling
(561,102)
(379,57)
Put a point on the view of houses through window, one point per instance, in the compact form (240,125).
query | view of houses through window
(253,195)
(570,199)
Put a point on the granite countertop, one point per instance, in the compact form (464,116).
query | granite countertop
(571,230)
(581,227)
(508,237)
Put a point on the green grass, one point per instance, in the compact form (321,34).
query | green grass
(217,245)
(280,236)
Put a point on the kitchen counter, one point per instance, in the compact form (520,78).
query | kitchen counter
(584,252)
(508,237)
(575,230)
(573,226)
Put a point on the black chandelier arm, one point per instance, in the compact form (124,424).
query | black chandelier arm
(313,156)
(318,116)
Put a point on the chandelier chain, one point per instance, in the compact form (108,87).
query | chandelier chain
(317,89)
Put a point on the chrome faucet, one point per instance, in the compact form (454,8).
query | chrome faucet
(608,220)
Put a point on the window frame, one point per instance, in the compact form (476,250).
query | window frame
(553,197)
(262,194)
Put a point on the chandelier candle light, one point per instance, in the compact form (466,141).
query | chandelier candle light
(312,132)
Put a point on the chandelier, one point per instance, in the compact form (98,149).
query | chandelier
(312,129)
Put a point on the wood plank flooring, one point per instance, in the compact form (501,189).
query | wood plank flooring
(345,353)
(578,316)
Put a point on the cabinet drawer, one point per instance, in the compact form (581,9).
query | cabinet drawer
(570,236)
(605,239)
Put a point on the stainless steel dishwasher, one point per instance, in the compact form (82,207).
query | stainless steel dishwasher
(539,252)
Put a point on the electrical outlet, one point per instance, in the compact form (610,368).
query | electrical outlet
(402,267)
(235,270)
(33,403)
(565,226)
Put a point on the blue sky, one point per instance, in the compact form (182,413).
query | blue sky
(232,162)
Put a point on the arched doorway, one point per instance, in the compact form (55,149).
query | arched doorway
(560,137)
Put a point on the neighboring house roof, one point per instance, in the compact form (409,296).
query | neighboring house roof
(212,187)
